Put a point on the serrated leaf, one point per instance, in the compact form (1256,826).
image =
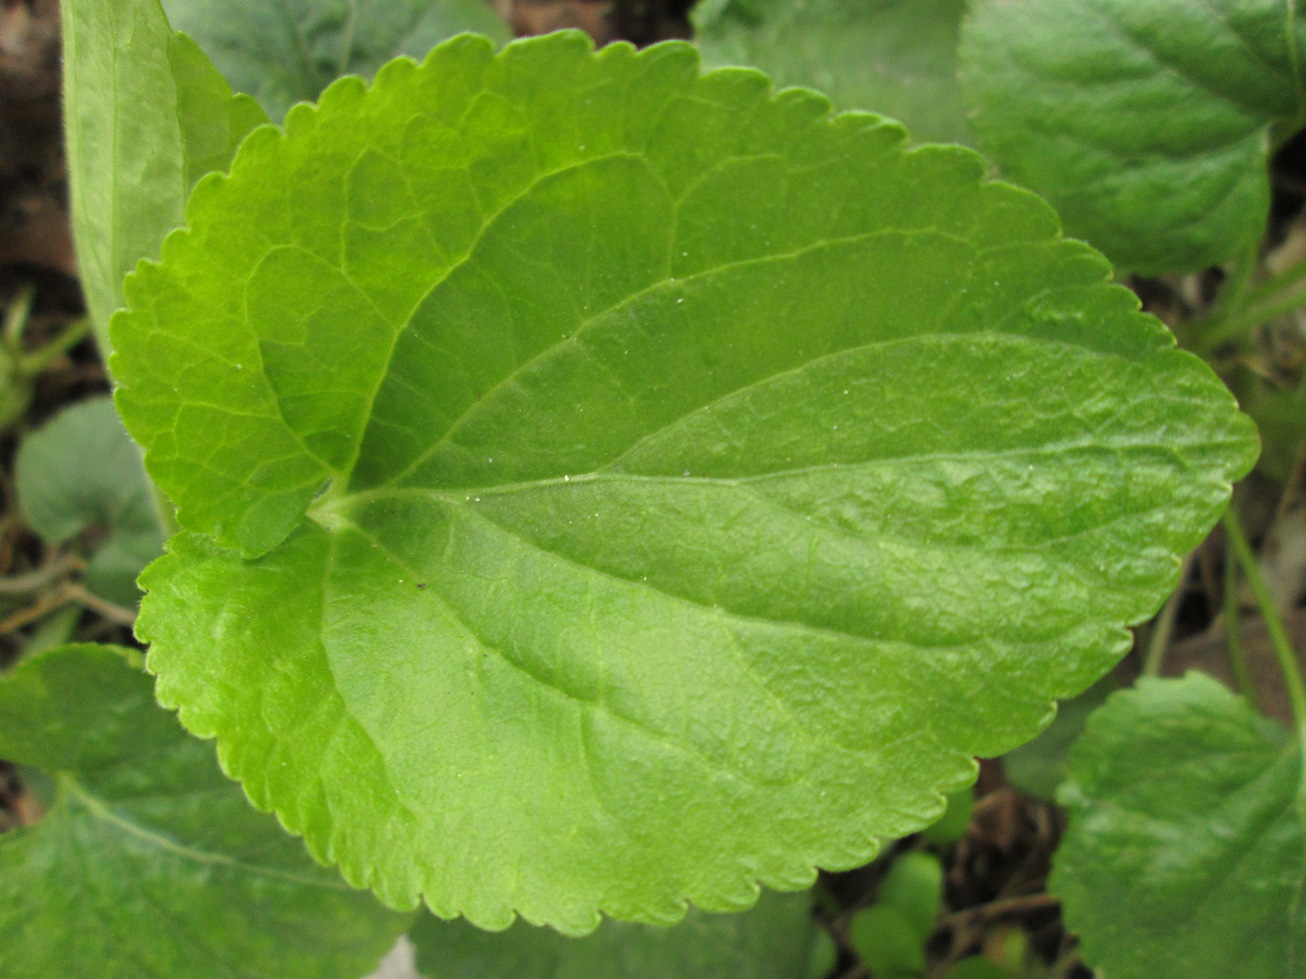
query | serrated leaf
(82,471)
(146,116)
(288,52)
(772,940)
(692,520)
(1186,852)
(1146,123)
(896,57)
(150,863)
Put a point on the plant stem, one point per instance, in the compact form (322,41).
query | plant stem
(16,319)
(1273,621)
(1241,310)
(37,361)
(1233,631)
(1159,641)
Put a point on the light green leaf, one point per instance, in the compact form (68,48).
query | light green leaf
(146,116)
(913,887)
(692,521)
(150,864)
(886,943)
(82,471)
(1146,123)
(772,940)
(896,57)
(1186,853)
(289,51)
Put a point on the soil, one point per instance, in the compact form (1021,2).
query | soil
(995,875)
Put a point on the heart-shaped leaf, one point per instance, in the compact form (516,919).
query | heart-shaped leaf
(1146,123)
(148,862)
(289,51)
(610,485)
(897,57)
(772,940)
(1186,852)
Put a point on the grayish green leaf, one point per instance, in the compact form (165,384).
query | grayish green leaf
(150,864)
(1039,766)
(1146,123)
(82,471)
(609,486)
(289,51)
(1186,852)
(146,116)
(896,57)
(772,940)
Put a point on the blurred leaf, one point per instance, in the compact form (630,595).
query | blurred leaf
(914,887)
(886,942)
(1039,766)
(894,57)
(79,471)
(951,826)
(290,50)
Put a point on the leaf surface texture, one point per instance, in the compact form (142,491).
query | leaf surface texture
(608,485)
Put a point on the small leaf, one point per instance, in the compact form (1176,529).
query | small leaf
(913,887)
(1186,855)
(1037,768)
(590,509)
(146,117)
(978,967)
(951,826)
(1146,123)
(886,942)
(896,57)
(773,940)
(289,51)
(150,863)
(79,471)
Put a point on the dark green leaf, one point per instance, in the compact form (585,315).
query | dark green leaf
(1037,768)
(887,943)
(896,57)
(591,509)
(1186,853)
(289,51)
(150,864)
(913,887)
(773,940)
(82,471)
(1146,123)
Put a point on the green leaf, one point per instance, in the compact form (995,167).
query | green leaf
(150,863)
(289,51)
(978,967)
(886,942)
(691,522)
(1186,851)
(146,116)
(951,826)
(773,940)
(913,887)
(1146,123)
(896,57)
(81,471)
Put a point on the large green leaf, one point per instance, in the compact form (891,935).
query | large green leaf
(773,940)
(1186,852)
(706,478)
(289,51)
(898,57)
(149,864)
(1146,123)
(146,117)
(81,471)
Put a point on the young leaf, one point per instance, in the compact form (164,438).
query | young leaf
(709,478)
(149,863)
(289,51)
(1146,123)
(773,940)
(897,57)
(79,471)
(913,887)
(1186,854)
(146,117)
